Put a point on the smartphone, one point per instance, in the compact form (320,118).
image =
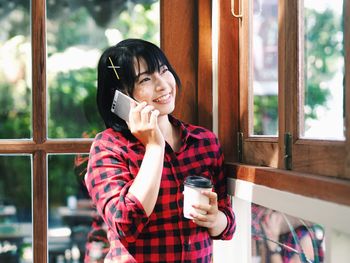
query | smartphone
(121,105)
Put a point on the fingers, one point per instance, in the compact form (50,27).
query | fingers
(203,207)
(142,114)
(210,211)
(134,115)
(145,114)
(213,197)
(200,217)
(153,117)
(203,220)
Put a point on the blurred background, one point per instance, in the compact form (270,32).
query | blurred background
(77,33)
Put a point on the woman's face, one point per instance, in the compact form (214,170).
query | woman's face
(157,89)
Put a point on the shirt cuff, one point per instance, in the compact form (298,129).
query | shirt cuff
(224,235)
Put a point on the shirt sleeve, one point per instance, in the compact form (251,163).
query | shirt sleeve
(224,202)
(108,181)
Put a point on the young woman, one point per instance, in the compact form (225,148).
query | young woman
(137,169)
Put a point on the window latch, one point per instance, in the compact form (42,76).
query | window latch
(288,151)
(240,146)
(239,15)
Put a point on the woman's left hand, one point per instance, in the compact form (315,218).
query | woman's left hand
(214,219)
(209,219)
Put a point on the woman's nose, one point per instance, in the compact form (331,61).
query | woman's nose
(160,82)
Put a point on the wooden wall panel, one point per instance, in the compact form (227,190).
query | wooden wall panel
(228,77)
(205,76)
(178,41)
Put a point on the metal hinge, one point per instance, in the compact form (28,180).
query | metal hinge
(240,146)
(288,151)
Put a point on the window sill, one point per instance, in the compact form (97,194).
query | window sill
(329,189)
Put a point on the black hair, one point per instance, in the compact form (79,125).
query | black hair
(123,56)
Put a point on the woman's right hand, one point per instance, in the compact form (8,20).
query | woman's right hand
(143,124)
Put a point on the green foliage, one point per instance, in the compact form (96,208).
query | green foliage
(72,111)
(322,51)
(15,184)
(15,120)
(62,179)
(72,104)
(77,29)
(266,115)
(142,16)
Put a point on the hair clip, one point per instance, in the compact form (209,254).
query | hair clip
(114,68)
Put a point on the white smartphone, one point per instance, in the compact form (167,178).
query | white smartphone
(121,105)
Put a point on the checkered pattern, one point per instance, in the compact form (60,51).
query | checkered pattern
(259,215)
(164,236)
(300,232)
(97,245)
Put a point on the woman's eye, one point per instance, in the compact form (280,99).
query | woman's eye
(144,80)
(164,69)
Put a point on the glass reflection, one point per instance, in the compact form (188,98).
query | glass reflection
(277,237)
(75,228)
(15,209)
(324,70)
(15,70)
(77,33)
(265,66)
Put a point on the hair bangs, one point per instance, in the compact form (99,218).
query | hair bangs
(153,58)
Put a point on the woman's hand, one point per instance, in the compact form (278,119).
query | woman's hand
(143,125)
(272,224)
(214,219)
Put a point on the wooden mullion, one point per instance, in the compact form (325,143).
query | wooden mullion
(17,146)
(283,104)
(39,179)
(67,146)
(39,70)
(40,214)
(244,49)
(49,146)
(205,79)
(346,16)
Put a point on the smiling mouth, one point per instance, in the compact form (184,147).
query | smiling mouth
(163,98)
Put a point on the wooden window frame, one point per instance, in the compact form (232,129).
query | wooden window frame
(323,157)
(174,41)
(322,174)
(194,67)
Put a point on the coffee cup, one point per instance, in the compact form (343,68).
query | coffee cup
(193,186)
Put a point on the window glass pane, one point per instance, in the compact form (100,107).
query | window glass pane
(74,226)
(78,31)
(277,237)
(323,70)
(15,70)
(15,209)
(265,66)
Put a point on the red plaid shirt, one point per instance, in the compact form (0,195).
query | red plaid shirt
(164,236)
(259,215)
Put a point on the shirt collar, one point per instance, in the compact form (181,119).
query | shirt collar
(186,133)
